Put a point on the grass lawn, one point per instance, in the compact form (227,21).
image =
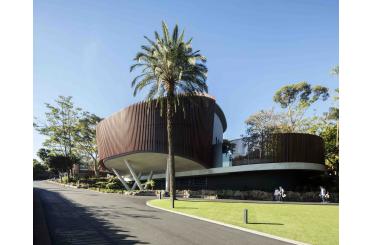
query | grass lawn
(314,224)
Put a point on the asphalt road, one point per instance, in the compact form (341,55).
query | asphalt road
(78,216)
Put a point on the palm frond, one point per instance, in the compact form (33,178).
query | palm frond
(165,31)
(175,34)
(170,67)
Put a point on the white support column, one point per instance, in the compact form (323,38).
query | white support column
(135,183)
(121,179)
(150,176)
(134,175)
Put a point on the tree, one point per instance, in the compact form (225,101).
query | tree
(62,163)
(61,121)
(227,146)
(335,70)
(333,112)
(260,126)
(43,154)
(35,161)
(85,137)
(170,67)
(329,135)
(40,171)
(297,98)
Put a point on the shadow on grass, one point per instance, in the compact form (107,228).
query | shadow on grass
(71,223)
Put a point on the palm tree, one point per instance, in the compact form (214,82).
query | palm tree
(170,67)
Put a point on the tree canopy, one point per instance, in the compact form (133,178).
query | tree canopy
(297,98)
(169,66)
(70,132)
(59,127)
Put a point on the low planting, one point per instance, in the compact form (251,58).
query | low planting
(106,185)
(314,224)
(291,196)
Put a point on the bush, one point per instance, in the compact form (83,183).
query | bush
(100,184)
(65,179)
(40,171)
(113,185)
(291,196)
(259,195)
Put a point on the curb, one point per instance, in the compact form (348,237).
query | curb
(231,226)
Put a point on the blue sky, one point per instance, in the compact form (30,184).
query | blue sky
(84,48)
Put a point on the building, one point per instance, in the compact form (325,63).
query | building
(133,144)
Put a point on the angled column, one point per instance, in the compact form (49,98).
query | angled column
(134,175)
(135,183)
(149,177)
(121,179)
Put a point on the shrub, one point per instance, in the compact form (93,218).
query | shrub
(65,179)
(40,171)
(100,184)
(113,185)
(259,195)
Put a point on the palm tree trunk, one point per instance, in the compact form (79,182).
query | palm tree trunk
(171,150)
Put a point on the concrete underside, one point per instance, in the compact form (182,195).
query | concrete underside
(145,162)
(191,175)
(249,168)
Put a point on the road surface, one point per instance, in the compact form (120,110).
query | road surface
(79,216)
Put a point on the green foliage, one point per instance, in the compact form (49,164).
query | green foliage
(85,137)
(69,132)
(65,180)
(100,184)
(330,137)
(260,126)
(300,93)
(335,70)
(227,146)
(61,163)
(60,125)
(35,161)
(297,98)
(43,154)
(169,66)
(113,183)
(40,171)
(150,183)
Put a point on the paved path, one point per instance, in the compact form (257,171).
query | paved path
(78,216)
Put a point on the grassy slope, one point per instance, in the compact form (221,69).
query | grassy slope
(315,224)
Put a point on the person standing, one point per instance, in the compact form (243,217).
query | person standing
(281,193)
(322,193)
